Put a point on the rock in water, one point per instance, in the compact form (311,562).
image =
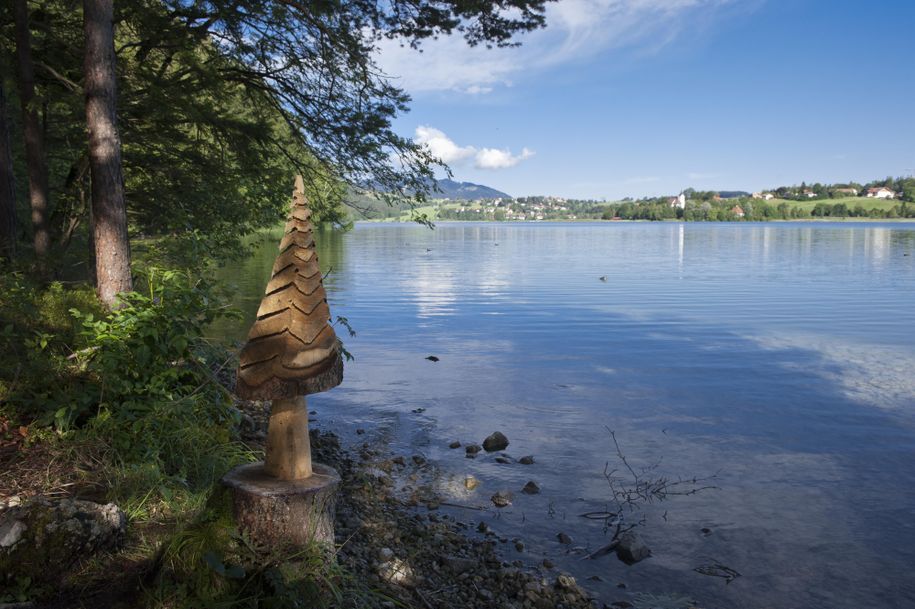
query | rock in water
(563,539)
(526,460)
(496,441)
(502,499)
(531,488)
(42,539)
(472,449)
(455,444)
(631,549)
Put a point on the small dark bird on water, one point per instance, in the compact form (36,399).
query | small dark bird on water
(603,278)
(432,358)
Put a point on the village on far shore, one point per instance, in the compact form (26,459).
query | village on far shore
(887,199)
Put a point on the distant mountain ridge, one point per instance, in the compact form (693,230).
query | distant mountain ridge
(467,191)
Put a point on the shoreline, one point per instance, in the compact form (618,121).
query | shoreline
(847,220)
(395,533)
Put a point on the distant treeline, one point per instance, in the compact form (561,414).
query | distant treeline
(729,210)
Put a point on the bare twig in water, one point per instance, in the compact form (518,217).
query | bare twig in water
(605,549)
(464,507)
(716,569)
(631,490)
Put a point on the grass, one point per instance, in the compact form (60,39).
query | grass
(850,202)
(429,210)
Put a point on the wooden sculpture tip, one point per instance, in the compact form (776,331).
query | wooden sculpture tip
(292,349)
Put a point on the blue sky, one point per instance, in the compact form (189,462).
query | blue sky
(647,97)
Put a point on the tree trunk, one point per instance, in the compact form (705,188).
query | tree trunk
(34,136)
(109,211)
(7,186)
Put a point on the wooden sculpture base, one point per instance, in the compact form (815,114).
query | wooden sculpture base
(288,445)
(277,513)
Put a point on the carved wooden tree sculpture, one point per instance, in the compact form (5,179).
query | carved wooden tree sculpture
(292,349)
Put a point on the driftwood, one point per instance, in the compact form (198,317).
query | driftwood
(292,350)
(601,551)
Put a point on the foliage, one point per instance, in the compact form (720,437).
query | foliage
(758,210)
(137,382)
(221,103)
(209,563)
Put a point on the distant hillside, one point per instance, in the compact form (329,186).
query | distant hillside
(466,191)
(733,194)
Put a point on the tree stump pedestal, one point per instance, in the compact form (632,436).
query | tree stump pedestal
(276,513)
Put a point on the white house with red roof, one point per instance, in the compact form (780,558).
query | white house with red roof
(881,192)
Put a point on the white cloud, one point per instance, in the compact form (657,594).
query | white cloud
(443,147)
(576,29)
(477,90)
(493,158)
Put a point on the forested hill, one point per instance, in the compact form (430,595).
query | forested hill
(467,191)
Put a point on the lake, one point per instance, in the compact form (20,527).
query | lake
(779,356)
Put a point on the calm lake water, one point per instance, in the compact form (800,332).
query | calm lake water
(781,356)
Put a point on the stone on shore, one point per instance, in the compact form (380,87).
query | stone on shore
(41,539)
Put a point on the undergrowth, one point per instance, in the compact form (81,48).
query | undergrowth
(131,406)
(139,385)
(208,563)
(124,406)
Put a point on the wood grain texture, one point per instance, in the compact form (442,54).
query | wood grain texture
(288,450)
(292,350)
(284,513)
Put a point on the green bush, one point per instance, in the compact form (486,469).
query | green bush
(138,382)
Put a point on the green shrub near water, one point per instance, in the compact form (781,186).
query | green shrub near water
(138,382)
(138,390)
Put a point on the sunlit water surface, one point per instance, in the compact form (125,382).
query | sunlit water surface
(781,356)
